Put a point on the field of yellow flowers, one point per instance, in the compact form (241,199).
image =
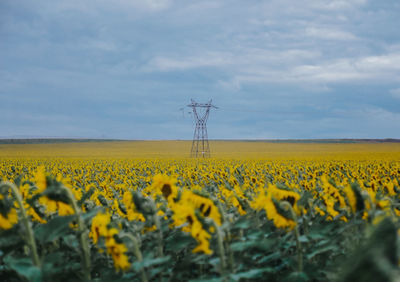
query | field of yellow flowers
(145,211)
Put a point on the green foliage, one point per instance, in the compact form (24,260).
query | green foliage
(253,249)
(54,229)
(377,259)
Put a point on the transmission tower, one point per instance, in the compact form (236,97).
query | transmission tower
(200,146)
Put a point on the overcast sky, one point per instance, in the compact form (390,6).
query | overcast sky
(276,69)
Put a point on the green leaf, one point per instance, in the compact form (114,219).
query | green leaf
(17,180)
(24,268)
(54,191)
(150,262)
(179,241)
(242,223)
(55,228)
(316,235)
(71,241)
(271,257)
(9,239)
(322,250)
(208,279)
(90,214)
(244,246)
(303,239)
(303,201)
(86,196)
(54,265)
(251,274)
(296,277)
(377,259)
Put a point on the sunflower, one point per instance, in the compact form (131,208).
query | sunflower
(274,213)
(351,197)
(281,194)
(270,204)
(131,211)
(119,257)
(40,179)
(184,215)
(203,204)
(163,185)
(202,237)
(7,220)
(8,214)
(116,250)
(231,198)
(99,226)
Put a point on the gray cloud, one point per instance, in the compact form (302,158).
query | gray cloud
(277,69)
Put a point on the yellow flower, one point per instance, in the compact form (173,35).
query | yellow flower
(351,197)
(99,226)
(184,212)
(50,205)
(383,204)
(230,198)
(389,188)
(202,237)
(116,250)
(320,211)
(205,205)
(8,220)
(284,195)
(64,209)
(330,203)
(267,202)
(131,212)
(40,179)
(259,201)
(273,214)
(35,216)
(119,257)
(164,185)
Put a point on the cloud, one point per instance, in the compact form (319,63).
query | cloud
(209,59)
(329,33)
(395,93)
(126,66)
(94,6)
(337,4)
(370,69)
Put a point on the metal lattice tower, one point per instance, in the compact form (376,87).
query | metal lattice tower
(200,146)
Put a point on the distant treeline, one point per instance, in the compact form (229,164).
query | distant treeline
(77,140)
(386,140)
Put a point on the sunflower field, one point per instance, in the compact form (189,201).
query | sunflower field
(332,217)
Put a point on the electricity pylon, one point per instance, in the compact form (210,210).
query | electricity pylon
(200,146)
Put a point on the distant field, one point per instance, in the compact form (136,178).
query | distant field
(219,149)
(145,211)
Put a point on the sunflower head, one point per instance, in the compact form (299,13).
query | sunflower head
(164,185)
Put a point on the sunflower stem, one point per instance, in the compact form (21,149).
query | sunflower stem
(138,254)
(287,206)
(157,222)
(221,251)
(83,238)
(30,239)
(227,246)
